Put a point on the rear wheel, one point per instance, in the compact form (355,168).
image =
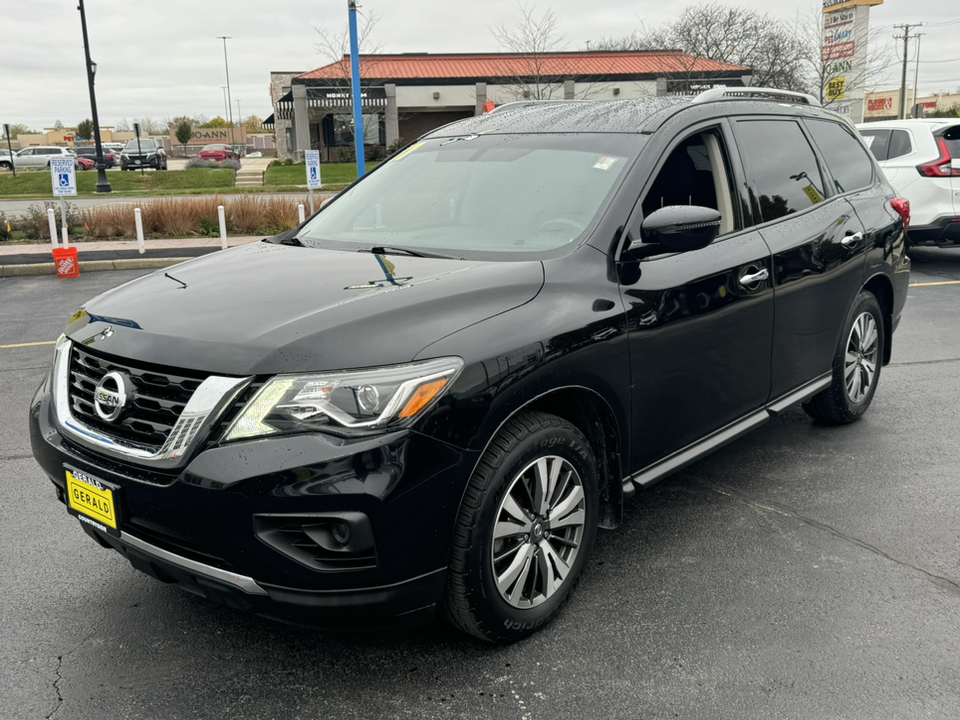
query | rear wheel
(856,366)
(525,531)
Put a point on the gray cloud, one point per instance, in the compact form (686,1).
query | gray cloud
(163,59)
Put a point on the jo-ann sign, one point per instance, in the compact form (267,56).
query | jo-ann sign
(209,136)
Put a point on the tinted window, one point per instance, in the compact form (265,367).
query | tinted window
(900,144)
(878,141)
(783,170)
(849,164)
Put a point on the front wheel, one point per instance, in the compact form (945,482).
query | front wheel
(856,366)
(525,531)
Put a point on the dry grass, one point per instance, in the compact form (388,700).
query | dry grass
(185,217)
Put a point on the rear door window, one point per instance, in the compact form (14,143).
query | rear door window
(849,164)
(783,170)
(952,136)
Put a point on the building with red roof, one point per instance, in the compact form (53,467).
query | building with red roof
(409,94)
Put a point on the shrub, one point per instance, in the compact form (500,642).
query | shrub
(4,233)
(34,223)
(345,154)
(375,152)
(180,217)
(394,146)
(199,163)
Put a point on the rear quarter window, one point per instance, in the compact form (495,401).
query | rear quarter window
(846,159)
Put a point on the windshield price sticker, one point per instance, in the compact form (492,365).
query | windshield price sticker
(63,176)
(312,159)
(605,163)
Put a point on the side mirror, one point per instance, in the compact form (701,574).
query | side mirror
(679,228)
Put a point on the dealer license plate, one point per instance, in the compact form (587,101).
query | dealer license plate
(92,501)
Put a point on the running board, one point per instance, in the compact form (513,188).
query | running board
(716,440)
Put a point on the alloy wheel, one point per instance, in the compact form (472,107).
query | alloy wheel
(862,354)
(538,531)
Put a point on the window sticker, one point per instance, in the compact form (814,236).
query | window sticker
(605,163)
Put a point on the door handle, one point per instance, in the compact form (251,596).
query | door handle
(853,238)
(754,278)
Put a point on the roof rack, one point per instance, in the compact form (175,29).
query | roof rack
(755,93)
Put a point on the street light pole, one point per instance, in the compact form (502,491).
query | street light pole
(226,112)
(226,67)
(103,186)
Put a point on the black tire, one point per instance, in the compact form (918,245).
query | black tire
(5,166)
(856,366)
(549,543)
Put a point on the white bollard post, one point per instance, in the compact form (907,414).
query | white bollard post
(63,219)
(223,227)
(138,217)
(52,219)
(300,213)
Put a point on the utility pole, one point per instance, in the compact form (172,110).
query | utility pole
(916,74)
(226,67)
(903,77)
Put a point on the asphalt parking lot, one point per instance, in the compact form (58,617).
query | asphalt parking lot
(802,572)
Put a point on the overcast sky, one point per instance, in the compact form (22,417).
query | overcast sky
(160,60)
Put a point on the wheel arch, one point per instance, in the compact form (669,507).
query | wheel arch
(590,413)
(881,288)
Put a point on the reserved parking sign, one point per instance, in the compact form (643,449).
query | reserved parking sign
(63,176)
(312,159)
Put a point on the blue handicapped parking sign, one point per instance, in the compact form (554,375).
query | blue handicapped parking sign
(313,173)
(64,180)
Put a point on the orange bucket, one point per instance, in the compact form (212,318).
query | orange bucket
(66,261)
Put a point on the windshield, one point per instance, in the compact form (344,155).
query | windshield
(144,145)
(477,194)
(214,148)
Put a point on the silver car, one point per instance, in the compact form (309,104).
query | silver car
(39,157)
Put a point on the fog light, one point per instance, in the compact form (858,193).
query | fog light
(341,532)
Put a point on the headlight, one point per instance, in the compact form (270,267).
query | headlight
(124,156)
(365,400)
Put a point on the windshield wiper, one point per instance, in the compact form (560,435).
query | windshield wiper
(392,250)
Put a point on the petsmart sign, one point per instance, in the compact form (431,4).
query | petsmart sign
(63,176)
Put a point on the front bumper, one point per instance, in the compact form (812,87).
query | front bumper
(200,527)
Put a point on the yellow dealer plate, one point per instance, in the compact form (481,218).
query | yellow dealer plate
(90,498)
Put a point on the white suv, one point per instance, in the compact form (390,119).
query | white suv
(39,157)
(921,159)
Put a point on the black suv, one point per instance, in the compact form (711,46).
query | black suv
(143,153)
(90,151)
(431,394)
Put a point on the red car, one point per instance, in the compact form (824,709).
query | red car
(218,153)
(84,163)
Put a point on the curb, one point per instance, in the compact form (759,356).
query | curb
(48,268)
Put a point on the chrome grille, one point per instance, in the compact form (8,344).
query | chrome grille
(156,403)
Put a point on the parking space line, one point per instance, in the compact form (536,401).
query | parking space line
(23,345)
(946,282)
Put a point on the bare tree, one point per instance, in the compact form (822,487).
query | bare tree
(535,75)
(727,34)
(335,47)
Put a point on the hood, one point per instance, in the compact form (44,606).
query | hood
(265,309)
